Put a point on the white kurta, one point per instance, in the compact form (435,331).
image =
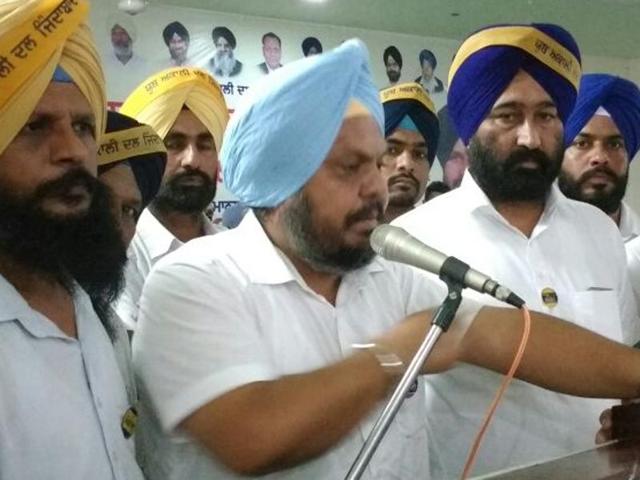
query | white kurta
(151,242)
(576,250)
(629,223)
(62,400)
(229,310)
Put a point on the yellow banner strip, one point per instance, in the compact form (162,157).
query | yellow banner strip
(24,49)
(536,43)
(408,91)
(124,144)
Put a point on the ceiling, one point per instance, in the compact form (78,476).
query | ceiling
(601,27)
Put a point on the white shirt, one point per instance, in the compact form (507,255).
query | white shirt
(62,400)
(229,310)
(574,249)
(633,266)
(151,242)
(629,223)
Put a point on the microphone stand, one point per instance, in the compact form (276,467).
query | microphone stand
(440,323)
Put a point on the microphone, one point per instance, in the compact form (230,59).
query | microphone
(395,244)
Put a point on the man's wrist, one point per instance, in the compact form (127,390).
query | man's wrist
(389,361)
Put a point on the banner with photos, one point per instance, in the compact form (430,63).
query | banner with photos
(239,51)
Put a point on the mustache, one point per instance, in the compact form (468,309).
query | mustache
(372,208)
(61,186)
(406,176)
(603,169)
(522,155)
(188,174)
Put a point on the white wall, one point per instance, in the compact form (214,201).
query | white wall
(249,30)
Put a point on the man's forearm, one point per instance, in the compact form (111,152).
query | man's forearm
(269,426)
(560,356)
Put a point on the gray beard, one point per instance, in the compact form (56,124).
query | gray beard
(223,64)
(123,52)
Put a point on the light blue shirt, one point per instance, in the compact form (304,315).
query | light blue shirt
(62,399)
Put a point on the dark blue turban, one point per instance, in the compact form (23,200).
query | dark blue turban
(411,100)
(137,145)
(489,59)
(619,97)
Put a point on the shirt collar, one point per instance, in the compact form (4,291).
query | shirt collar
(13,304)
(480,203)
(16,308)
(264,263)
(158,239)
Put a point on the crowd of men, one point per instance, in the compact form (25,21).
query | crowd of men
(140,340)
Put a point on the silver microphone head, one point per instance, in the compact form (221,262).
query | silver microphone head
(378,238)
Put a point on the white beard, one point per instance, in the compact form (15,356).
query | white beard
(223,64)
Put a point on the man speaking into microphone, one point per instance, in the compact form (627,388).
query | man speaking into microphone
(245,346)
(508,101)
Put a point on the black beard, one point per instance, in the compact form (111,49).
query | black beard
(393,75)
(607,201)
(504,180)
(321,251)
(187,199)
(403,199)
(86,248)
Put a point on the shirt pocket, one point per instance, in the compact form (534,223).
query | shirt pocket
(598,311)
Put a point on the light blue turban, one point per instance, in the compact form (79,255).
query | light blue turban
(619,97)
(279,138)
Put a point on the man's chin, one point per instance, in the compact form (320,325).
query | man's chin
(403,199)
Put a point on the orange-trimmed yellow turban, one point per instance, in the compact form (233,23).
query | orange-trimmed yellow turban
(36,36)
(159,99)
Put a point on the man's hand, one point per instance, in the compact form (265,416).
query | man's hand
(618,422)
(605,434)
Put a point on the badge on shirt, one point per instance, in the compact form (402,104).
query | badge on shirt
(129,422)
(549,297)
(412,389)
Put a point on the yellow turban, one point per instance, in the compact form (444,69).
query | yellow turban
(35,37)
(159,99)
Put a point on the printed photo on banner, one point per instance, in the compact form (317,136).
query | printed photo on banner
(392,59)
(272,52)
(224,63)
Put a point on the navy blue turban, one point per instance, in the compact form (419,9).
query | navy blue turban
(489,59)
(428,56)
(411,100)
(619,97)
(137,145)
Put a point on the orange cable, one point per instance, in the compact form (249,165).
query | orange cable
(499,394)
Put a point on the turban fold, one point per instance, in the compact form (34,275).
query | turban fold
(126,23)
(174,28)
(279,138)
(448,136)
(489,59)
(411,100)
(428,56)
(225,33)
(158,101)
(139,146)
(392,51)
(309,43)
(32,46)
(619,97)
